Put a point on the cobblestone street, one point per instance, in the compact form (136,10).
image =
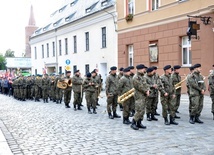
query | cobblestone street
(32,128)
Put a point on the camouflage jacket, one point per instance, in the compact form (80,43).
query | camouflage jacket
(124,85)
(211,83)
(87,87)
(119,75)
(150,80)
(77,82)
(196,84)
(176,78)
(112,82)
(165,85)
(140,86)
(38,82)
(45,83)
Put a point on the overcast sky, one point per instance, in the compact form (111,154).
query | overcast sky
(14,16)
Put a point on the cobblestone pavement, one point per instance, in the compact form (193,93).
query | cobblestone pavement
(51,129)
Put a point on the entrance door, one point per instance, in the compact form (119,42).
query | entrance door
(103,72)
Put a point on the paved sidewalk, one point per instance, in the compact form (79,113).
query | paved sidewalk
(37,128)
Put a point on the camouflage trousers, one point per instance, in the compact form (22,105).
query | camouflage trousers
(52,93)
(77,99)
(140,106)
(67,97)
(150,105)
(168,106)
(45,93)
(58,93)
(196,105)
(127,107)
(90,98)
(177,101)
(133,104)
(37,92)
(112,103)
(212,107)
(23,93)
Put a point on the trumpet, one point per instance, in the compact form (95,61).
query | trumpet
(178,85)
(126,96)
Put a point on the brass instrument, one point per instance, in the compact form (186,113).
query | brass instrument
(64,84)
(126,96)
(178,85)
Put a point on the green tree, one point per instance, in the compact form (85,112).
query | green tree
(2,62)
(9,53)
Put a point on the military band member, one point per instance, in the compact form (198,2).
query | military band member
(77,82)
(211,90)
(197,90)
(132,70)
(125,85)
(112,93)
(119,77)
(67,91)
(37,87)
(58,91)
(151,99)
(97,78)
(167,91)
(89,86)
(45,88)
(156,81)
(140,94)
(176,78)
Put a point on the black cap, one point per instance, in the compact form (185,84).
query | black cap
(167,67)
(131,67)
(177,67)
(68,72)
(121,69)
(76,71)
(150,69)
(140,66)
(191,68)
(113,68)
(126,69)
(154,67)
(213,65)
(197,65)
(88,74)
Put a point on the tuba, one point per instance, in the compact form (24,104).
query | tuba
(64,84)
(126,96)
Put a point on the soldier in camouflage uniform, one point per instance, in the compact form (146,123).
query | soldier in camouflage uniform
(51,92)
(29,85)
(32,92)
(22,88)
(140,94)
(151,99)
(45,88)
(132,99)
(77,82)
(156,81)
(15,88)
(211,89)
(119,77)
(124,86)
(98,81)
(89,86)
(67,91)
(58,91)
(167,91)
(37,86)
(197,90)
(112,93)
(176,78)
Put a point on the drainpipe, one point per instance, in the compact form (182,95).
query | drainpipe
(56,52)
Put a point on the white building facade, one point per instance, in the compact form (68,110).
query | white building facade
(79,36)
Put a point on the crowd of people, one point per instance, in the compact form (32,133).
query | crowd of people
(136,93)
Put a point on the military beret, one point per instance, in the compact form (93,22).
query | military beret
(88,74)
(191,68)
(167,67)
(113,68)
(126,69)
(93,72)
(76,71)
(121,68)
(213,65)
(177,67)
(150,69)
(154,67)
(68,72)
(131,67)
(197,65)
(140,66)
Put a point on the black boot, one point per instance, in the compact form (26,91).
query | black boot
(172,121)
(89,110)
(192,119)
(153,117)
(148,117)
(75,108)
(60,101)
(132,113)
(94,111)
(126,121)
(67,105)
(46,100)
(121,107)
(79,108)
(140,125)
(177,116)
(166,122)
(176,111)
(197,120)
(57,101)
(115,115)
(133,126)
(110,116)
(156,113)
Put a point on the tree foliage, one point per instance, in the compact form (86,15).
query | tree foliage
(9,53)
(2,62)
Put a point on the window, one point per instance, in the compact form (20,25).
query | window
(66,46)
(104,2)
(47,50)
(35,52)
(103,37)
(89,9)
(60,70)
(154,4)
(43,54)
(35,71)
(87,41)
(131,55)
(53,43)
(87,69)
(74,68)
(186,52)
(130,7)
(60,47)
(73,3)
(75,44)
